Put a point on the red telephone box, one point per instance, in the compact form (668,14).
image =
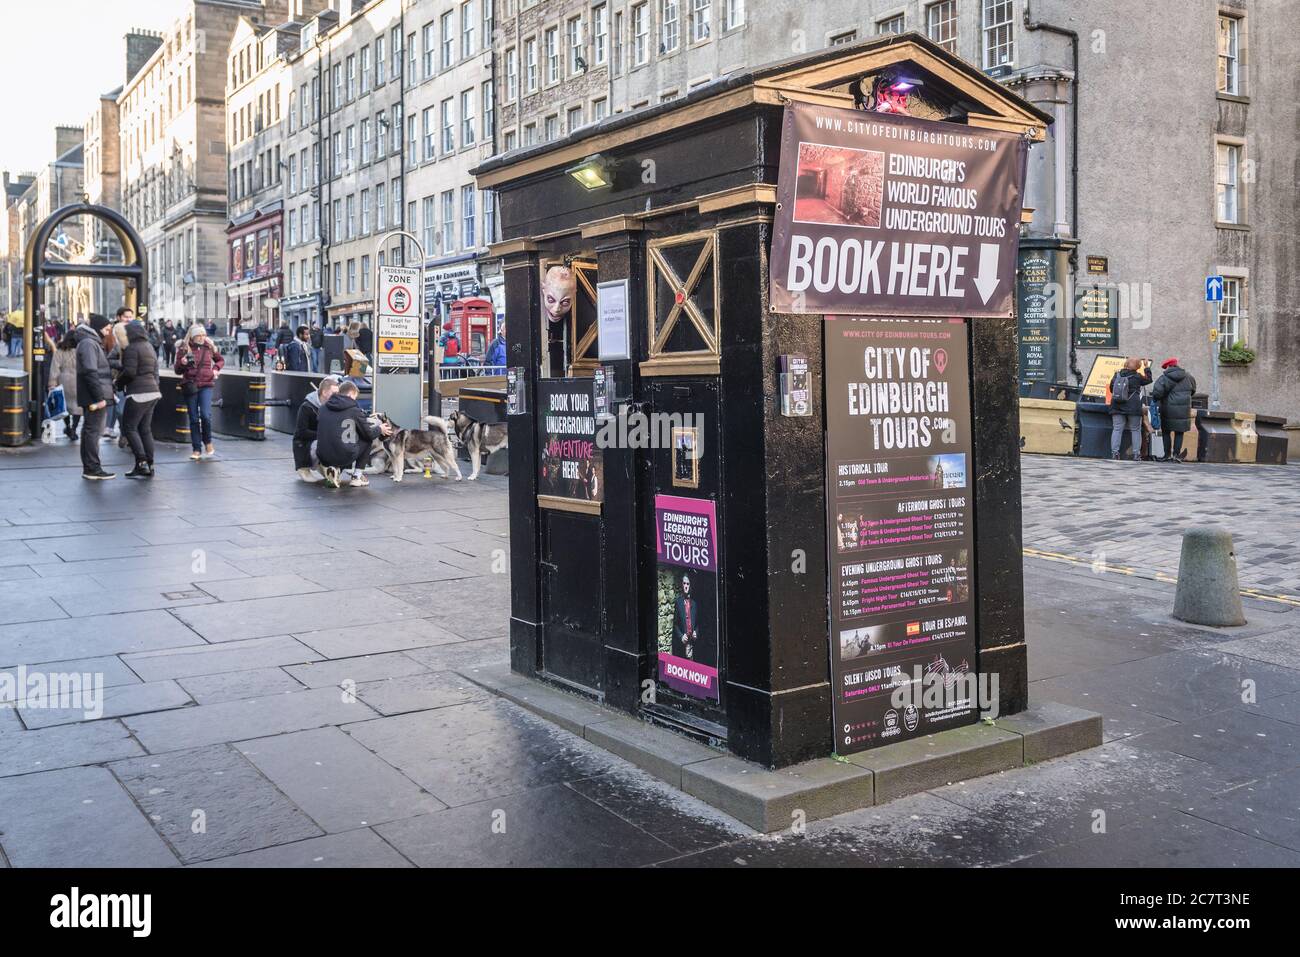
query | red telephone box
(472,319)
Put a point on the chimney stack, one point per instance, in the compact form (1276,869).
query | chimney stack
(140,46)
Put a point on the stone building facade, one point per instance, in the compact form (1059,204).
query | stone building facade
(172,125)
(103,181)
(1178,164)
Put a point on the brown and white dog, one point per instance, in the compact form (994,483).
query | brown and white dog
(479,437)
(411,445)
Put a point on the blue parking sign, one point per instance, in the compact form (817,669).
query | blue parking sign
(1214,289)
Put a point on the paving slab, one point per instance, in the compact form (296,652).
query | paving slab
(377,637)
(78,818)
(211,802)
(479,750)
(352,609)
(336,781)
(542,827)
(19,607)
(330,674)
(93,637)
(267,586)
(242,720)
(420,692)
(115,702)
(238,685)
(108,668)
(360,848)
(65,746)
(1236,742)
(229,656)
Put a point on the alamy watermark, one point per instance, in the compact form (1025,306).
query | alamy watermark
(53,690)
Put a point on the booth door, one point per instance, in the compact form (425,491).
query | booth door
(572,597)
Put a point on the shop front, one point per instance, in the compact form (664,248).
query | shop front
(255,270)
(691,423)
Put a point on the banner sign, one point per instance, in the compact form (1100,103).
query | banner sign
(572,466)
(1036,316)
(899,503)
(886,215)
(686,554)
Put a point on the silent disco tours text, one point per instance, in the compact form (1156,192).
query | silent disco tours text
(898,483)
(882,214)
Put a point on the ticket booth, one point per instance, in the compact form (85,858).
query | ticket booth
(672,554)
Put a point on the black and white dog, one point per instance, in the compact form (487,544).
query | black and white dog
(409,446)
(479,437)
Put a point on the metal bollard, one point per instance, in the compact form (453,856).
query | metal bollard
(1207,579)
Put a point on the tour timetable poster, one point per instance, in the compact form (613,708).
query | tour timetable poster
(888,215)
(686,553)
(899,486)
(572,465)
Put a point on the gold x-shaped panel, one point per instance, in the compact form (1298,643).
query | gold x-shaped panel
(683,291)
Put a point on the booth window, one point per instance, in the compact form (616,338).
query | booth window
(568,316)
(683,306)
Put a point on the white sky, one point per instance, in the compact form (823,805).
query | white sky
(56,58)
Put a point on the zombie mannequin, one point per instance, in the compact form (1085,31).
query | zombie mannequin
(559,287)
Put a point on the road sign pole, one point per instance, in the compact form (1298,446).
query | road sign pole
(1214,296)
(1214,359)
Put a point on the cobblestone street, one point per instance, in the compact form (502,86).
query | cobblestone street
(289,675)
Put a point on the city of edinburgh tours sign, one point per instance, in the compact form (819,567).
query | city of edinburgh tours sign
(886,215)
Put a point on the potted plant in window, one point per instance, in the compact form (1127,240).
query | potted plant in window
(1236,355)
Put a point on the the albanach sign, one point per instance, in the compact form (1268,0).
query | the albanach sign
(884,214)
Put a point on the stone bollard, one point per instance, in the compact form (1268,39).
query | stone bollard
(1207,579)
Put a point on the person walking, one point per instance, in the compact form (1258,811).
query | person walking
(198,363)
(139,381)
(241,346)
(317,347)
(496,353)
(94,392)
(1126,406)
(63,371)
(296,357)
(261,336)
(1173,393)
(366,342)
(169,342)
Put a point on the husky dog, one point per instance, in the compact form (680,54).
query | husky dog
(479,437)
(433,443)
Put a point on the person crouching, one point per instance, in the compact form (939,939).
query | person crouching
(305,429)
(343,437)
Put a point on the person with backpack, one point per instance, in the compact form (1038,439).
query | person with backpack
(1126,406)
(317,347)
(1173,393)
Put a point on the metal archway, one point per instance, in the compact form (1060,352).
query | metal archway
(38,271)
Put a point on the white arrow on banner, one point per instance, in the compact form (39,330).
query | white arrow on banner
(987,280)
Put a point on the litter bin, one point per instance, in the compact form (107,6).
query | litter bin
(1094,431)
(1216,438)
(1271,440)
(14,428)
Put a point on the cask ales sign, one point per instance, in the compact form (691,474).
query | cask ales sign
(880,214)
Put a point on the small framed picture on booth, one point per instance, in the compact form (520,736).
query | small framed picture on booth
(686,458)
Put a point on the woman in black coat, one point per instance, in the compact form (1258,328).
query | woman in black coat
(1174,390)
(139,380)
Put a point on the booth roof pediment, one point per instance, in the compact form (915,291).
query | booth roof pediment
(823,77)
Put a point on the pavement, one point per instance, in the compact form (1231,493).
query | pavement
(287,681)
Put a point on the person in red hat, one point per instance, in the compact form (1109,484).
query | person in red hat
(1173,392)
